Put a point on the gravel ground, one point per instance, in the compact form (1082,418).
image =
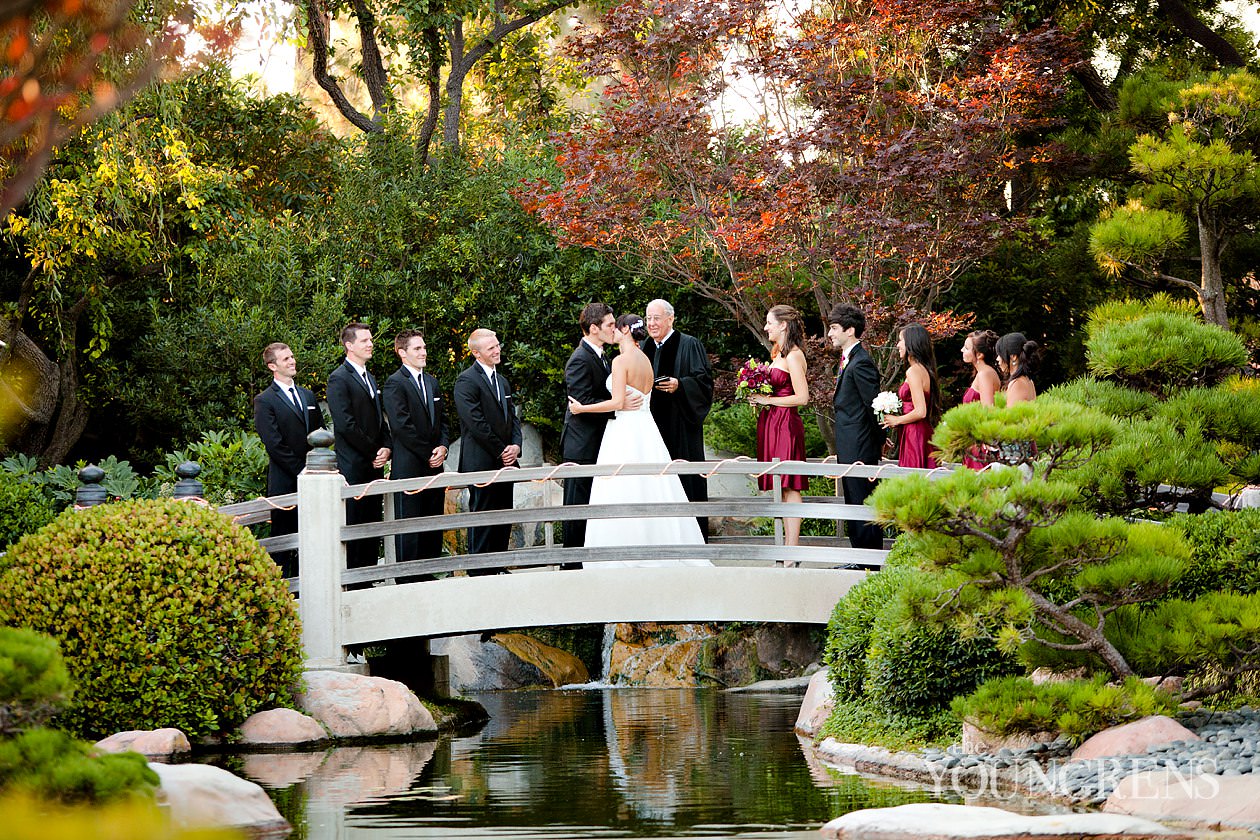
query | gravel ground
(1230,747)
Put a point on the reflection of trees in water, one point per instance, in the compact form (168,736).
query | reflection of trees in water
(643,761)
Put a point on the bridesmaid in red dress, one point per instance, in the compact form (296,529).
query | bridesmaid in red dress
(978,351)
(780,432)
(920,398)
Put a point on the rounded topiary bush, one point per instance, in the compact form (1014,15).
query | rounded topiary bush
(167,615)
(24,508)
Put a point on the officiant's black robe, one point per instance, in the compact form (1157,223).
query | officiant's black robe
(680,415)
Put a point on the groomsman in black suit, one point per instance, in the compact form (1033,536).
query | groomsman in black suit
(284,414)
(490,437)
(586,378)
(858,433)
(362,440)
(682,395)
(417,424)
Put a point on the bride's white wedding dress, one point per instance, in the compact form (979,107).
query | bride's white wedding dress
(631,437)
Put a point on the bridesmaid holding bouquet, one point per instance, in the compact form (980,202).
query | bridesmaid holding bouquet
(920,397)
(780,432)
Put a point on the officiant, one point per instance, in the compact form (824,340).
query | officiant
(682,394)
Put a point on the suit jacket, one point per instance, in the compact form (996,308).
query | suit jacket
(859,436)
(586,380)
(359,425)
(487,426)
(680,415)
(417,426)
(283,430)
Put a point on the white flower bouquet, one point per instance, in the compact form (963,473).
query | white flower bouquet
(885,403)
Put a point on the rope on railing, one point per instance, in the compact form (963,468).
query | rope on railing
(548,476)
(494,477)
(719,464)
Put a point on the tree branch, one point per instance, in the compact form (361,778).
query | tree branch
(1180,16)
(317,30)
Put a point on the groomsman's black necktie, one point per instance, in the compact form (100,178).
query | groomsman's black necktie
(424,398)
(368,383)
(293,396)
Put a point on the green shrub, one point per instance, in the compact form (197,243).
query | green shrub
(916,667)
(233,466)
(52,765)
(1075,708)
(1107,397)
(1224,552)
(33,679)
(167,614)
(24,508)
(27,818)
(866,722)
(1161,351)
(852,619)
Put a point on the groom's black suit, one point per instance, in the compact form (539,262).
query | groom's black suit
(418,427)
(488,424)
(586,379)
(859,437)
(283,428)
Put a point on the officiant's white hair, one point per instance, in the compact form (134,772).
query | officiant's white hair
(664,304)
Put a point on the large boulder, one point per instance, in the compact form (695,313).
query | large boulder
(474,665)
(202,796)
(657,655)
(1134,738)
(558,666)
(820,699)
(935,821)
(152,743)
(354,706)
(1206,800)
(281,726)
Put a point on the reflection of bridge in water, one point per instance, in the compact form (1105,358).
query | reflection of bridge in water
(746,582)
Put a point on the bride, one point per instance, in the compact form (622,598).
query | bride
(632,437)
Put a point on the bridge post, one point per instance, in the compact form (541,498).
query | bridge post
(322,554)
(778,499)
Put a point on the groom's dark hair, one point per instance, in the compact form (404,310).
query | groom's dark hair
(847,315)
(593,314)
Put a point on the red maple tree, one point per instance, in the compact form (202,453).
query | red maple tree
(867,159)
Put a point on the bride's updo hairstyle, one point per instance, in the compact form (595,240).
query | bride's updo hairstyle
(635,322)
(794,326)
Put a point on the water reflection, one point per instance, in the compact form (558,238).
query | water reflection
(599,763)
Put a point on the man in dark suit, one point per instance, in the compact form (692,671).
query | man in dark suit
(362,439)
(490,437)
(417,424)
(859,437)
(586,379)
(682,395)
(284,414)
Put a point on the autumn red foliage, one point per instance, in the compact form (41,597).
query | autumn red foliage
(858,154)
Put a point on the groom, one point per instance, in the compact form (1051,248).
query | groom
(585,378)
(859,438)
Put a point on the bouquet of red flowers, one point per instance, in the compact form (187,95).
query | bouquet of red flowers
(754,378)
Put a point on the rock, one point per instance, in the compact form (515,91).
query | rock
(475,665)
(559,667)
(1041,676)
(786,649)
(1134,738)
(202,796)
(154,743)
(929,820)
(355,706)
(1204,799)
(281,726)
(819,700)
(981,742)
(657,655)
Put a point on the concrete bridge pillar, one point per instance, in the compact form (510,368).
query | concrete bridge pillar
(322,514)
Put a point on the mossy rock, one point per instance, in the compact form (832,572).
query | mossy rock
(168,615)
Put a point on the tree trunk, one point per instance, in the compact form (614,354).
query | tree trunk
(1211,284)
(1073,626)
(1180,16)
(433,43)
(454,88)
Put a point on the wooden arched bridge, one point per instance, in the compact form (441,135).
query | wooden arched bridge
(748,580)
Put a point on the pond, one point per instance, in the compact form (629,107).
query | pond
(579,763)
